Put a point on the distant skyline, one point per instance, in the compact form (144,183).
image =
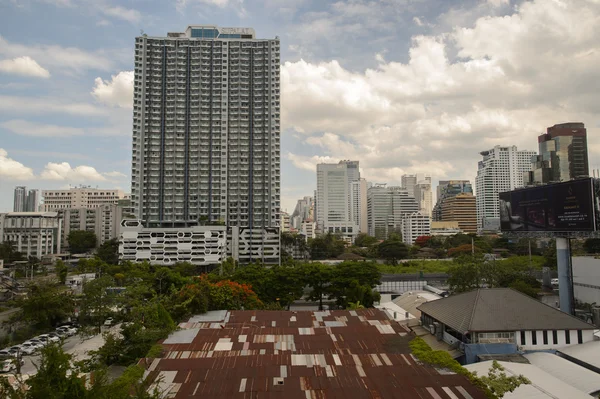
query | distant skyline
(402,86)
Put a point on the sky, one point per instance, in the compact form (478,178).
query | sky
(403,86)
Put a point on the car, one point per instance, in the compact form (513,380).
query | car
(39,342)
(69,331)
(49,338)
(554,283)
(108,322)
(29,348)
(59,335)
(10,365)
(5,353)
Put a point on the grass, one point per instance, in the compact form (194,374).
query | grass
(415,266)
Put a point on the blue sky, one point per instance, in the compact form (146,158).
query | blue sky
(404,86)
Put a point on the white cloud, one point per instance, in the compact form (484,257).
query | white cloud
(499,3)
(418,21)
(26,128)
(61,58)
(13,170)
(116,92)
(64,172)
(48,105)
(115,174)
(126,14)
(434,113)
(25,66)
(309,163)
(235,5)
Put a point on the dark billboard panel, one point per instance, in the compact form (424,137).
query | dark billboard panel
(559,207)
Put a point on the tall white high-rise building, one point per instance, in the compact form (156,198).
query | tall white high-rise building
(334,199)
(20,199)
(501,169)
(33,200)
(206,130)
(303,211)
(386,209)
(410,181)
(358,204)
(423,196)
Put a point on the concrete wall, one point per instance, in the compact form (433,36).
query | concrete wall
(586,279)
(473,350)
(588,335)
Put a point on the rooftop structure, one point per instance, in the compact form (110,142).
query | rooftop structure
(277,354)
(587,355)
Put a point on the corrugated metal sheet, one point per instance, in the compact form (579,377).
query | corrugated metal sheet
(279,354)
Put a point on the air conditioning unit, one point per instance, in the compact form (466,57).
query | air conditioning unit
(432,328)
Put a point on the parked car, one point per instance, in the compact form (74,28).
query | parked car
(41,343)
(29,348)
(5,353)
(10,365)
(47,337)
(108,322)
(57,334)
(554,283)
(68,330)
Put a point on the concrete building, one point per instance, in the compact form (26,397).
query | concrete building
(104,221)
(423,196)
(304,210)
(445,229)
(358,204)
(461,208)
(26,200)
(563,155)
(415,225)
(206,134)
(308,229)
(447,189)
(284,223)
(586,280)
(32,233)
(334,199)
(80,197)
(199,245)
(501,321)
(386,208)
(408,182)
(501,169)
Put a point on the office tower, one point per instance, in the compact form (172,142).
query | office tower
(79,197)
(461,208)
(501,169)
(563,155)
(422,194)
(415,225)
(104,221)
(410,181)
(303,211)
(334,199)
(386,208)
(206,136)
(20,199)
(33,200)
(447,189)
(358,204)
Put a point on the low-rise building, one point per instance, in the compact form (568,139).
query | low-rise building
(32,233)
(414,226)
(445,229)
(501,321)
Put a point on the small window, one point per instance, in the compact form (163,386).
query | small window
(579,337)
(545,333)
(522,337)
(567,337)
(555,337)
(534,338)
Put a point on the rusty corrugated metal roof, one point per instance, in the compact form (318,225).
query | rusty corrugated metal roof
(282,354)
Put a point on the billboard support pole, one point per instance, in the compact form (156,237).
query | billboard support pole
(565,274)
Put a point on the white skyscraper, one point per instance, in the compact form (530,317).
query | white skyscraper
(386,209)
(423,196)
(358,204)
(206,135)
(334,199)
(20,199)
(501,169)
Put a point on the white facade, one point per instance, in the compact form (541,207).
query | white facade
(501,169)
(26,200)
(79,197)
(358,204)
(32,233)
(414,226)
(284,223)
(104,221)
(586,279)
(534,340)
(386,208)
(410,181)
(206,130)
(304,210)
(334,202)
(199,245)
(423,196)
(308,229)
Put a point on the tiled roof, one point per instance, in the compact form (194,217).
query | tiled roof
(499,309)
(279,354)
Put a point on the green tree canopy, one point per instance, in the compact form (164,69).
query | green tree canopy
(8,253)
(392,250)
(109,252)
(326,246)
(81,241)
(364,240)
(592,245)
(46,305)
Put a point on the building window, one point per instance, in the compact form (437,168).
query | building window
(579,337)
(555,337)
(534,338)
(567,337)
(545,334)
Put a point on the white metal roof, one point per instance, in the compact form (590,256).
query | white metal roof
(394,311)
(543,385)
(588,352)
(579,377)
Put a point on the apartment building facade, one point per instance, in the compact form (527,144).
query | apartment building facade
(79,197)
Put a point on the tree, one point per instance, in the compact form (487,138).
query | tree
(326,246)
(61,271)
(461,250)
(364,240)
(318,277)
(421,241)
(499,383)
(525,288)
(81,241)
(354,282)
(45,306)
(109,252)
(466,274)
(8,253)
(392,250)
(592,245)
(96,303)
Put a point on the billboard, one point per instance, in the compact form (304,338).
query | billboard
(559,207)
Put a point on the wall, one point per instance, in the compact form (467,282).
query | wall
(586,279)
(588,335)
(473,350)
